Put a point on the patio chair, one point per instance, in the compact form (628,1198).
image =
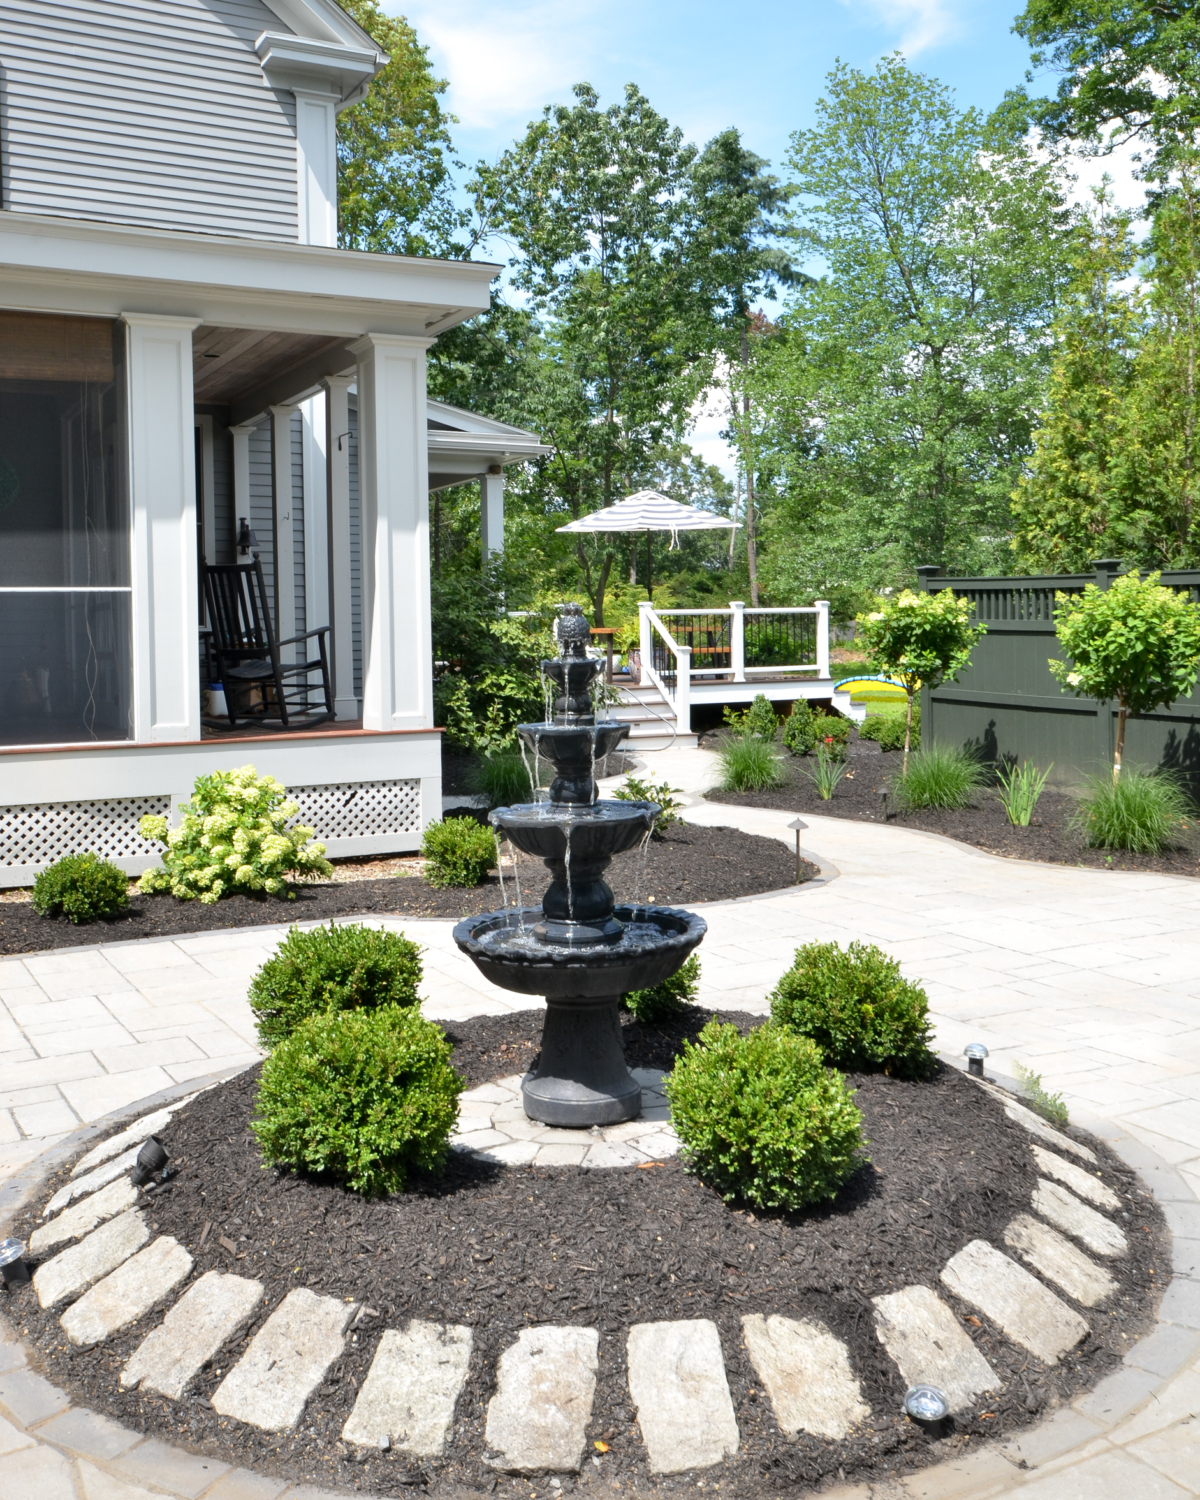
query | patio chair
(259,685)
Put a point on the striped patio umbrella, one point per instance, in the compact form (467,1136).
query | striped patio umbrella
(649,511)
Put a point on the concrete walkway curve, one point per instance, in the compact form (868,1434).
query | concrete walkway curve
(1088,976)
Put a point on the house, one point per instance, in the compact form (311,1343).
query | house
(191,371)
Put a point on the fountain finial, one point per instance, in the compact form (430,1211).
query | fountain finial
(573,632)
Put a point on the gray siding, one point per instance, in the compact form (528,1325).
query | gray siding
(147,112)
(262,509)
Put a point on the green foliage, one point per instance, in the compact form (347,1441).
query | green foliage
(857,1007)
(1051,1107)
(758,720)
(826,771)
(806,728)
(748,764)
(1020,788)
(1138,811)
(233,839)
(762,1119)
(367,1096)
(635,790)
(488,666)
(332,969)
(503,778)
(939,776)
(458,851)
(81,887)
(665,1001)
(887,725)
(1136,642)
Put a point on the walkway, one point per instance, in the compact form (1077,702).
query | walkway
(1089,976)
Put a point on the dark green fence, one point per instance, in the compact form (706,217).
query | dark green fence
(1007,705)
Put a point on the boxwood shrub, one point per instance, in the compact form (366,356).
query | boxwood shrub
(663,1002)
(81,887)
(331,969)
(365,1096)
(458,851)
(857,1007)
(762,1119)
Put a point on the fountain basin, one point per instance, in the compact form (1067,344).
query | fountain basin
(573,750)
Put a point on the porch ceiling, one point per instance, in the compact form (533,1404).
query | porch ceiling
(229,364)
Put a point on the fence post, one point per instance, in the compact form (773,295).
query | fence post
(683,690)
(822,637)
(737,639)
(926,574)
(645,646)
(1106,570)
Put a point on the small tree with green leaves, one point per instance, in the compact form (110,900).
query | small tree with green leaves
(920,640)
(1136,643)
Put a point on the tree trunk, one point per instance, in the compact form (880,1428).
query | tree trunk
(1122,715)
(907,733)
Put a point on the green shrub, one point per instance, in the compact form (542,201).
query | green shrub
(647,791)
(825,772)
(1139,811)
(758,720)
(332,968)
(886,726)
(748,765)
(665,1001)
(81,887)
(1051,1107)
(364,1095)
(799,728)
(1020,788)
(939,776)
(458,851)
(233,839)
(762,1119)
(857,1007)
(503,778)
(833,731)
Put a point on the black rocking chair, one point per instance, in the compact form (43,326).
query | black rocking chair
(258,683)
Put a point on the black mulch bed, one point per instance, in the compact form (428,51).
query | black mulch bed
(502,1249)
(1048,838)
(687,865)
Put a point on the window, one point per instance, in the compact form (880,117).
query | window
(65,628)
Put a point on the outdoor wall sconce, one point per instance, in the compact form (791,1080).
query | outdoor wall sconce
(798,825)
(12,1263)
(151,1158)
(975,1052)
(246,538)
(926,1404)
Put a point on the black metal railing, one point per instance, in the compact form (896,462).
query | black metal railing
(664,660)
(780,639)
(708,637)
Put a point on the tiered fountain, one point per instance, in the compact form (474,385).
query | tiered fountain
(578,949)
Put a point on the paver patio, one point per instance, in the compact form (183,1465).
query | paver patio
(1089,976)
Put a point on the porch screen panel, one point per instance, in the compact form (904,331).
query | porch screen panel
(66,671)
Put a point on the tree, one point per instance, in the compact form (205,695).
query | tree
(395,192)
(1129,71)
(899,395)
(922,640)
(1136,643)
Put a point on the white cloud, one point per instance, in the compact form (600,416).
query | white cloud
(921,23)
(504,62)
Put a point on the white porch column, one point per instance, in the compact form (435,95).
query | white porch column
(822,637)
(491,512)
(285,531)
(241,480)
(162,487)
(316,168)
(337,486)
(393,470)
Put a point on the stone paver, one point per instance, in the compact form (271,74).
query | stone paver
(74,1269)
(807,1374)
(35,1474)
(678,1384)
(193,1330)
(98,1177)
(1059,1260)
(1035,1125)
(82,1217)
(285,1362)
(128,1293)
(409,1394)
(1081,1183)
(1067,1213)
(545,1382)
(930,1347)
(1028,1312)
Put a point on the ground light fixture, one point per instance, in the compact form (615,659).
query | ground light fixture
(926,1404)
(975,1052)
(12,1263)
(153,1157)
(882,794)
(798,825)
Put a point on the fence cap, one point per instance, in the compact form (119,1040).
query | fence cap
(798,824)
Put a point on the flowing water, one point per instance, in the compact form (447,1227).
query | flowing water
(500,869)
(641,938)
(643,855)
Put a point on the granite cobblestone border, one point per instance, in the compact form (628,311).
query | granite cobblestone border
(53,1450)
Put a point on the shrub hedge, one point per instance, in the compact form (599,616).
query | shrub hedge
(458,851)
(82,888)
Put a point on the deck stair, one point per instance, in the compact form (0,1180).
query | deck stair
(651,720)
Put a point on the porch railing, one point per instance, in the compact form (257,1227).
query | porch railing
(681,645)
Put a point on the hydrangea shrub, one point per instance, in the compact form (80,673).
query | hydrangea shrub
(233,839)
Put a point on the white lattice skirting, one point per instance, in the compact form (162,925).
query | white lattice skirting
(349,818)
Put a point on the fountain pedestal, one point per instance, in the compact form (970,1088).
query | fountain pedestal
(577,949)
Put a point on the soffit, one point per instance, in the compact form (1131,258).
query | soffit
(231,362)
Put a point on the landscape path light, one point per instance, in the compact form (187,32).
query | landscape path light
(975,1052)
(798,825)
(926,1404)
(12,1263)
(151,1158)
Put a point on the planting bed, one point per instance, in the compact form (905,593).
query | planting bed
(688,865)
(983,824)
(504,1249)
